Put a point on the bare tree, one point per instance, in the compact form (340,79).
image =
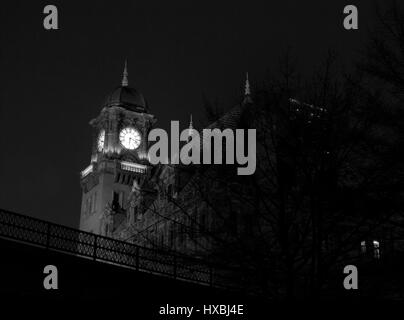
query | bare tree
(328,176)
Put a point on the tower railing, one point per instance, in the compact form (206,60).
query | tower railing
(68,240)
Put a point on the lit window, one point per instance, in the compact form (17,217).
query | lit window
(363,247)
(134,167)
(376,249)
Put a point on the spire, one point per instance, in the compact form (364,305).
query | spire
(247,91)
(190,126)
(125,75)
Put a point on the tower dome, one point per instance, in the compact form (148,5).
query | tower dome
(126,97)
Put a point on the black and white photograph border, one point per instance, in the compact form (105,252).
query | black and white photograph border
(202,160)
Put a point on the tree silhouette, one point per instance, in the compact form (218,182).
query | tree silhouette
(329,176)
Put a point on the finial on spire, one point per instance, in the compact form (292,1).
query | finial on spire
(125,75)
(247,90)
(190,126)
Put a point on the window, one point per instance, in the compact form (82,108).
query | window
(363,247)
(376,249)
(121,198)
(115,197)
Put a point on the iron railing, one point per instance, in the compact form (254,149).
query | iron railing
(84,244)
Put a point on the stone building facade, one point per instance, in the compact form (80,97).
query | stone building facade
(172,207)
(119,158)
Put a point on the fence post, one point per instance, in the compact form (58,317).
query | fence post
(137,258)
(95,247)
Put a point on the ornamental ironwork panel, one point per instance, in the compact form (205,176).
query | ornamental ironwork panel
(57,237)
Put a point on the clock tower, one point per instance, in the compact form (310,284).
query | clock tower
(118,159)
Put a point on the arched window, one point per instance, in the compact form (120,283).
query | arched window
(376,249)
(363,247)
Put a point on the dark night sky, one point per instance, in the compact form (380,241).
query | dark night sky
(52,82)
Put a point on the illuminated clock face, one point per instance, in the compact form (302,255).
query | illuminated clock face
(101,140)
(130,138)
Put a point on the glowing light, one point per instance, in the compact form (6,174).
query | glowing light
(376,249)
(87,170)
(101,140)
(134,167)
(363,246)
(130,138)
